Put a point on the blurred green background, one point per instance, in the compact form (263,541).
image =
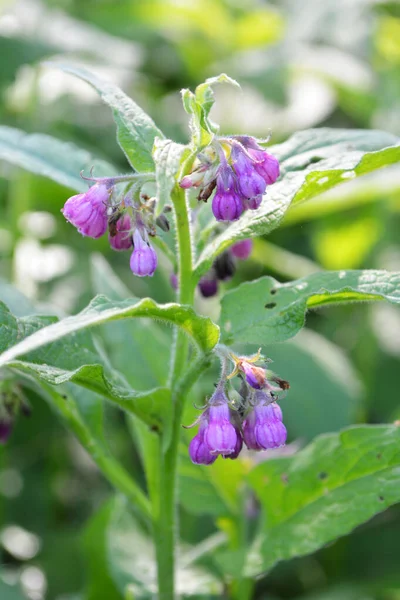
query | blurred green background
(302,64)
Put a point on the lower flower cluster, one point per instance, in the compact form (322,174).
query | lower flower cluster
(255,421)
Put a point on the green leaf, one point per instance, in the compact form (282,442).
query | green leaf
(265,311)
(49,157)
(133,566)
(10,592)
(168,156)
(198,105)
(76,358)
(338,482)
(101,310)
(304,177)
(136,131)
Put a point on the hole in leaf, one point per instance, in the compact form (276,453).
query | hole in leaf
(270,305)
(379,456)
(273,291)
(322,475)
(285,478)
(381,498)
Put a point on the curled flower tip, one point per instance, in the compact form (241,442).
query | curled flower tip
(208,286)
(120,236)
(88,211)
(263,427)
(143,260)
(242,250)
(250,182)
(227,203)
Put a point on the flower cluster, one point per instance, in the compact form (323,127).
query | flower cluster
(256,420)
(238,169)
(130,220)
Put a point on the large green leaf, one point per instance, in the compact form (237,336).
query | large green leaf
(265,311)
(338,482)
(136,131)
(49,157)
(325,165)
(77,358)
(101,310)
(131,559)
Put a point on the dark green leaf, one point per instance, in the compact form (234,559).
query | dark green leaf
(136,131)
(49,157)
(265,311)
(338,482)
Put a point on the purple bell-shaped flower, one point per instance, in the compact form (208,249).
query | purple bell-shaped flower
(88,211)
(143,260)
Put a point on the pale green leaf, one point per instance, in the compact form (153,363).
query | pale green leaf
(167,156)
(44,155)
(136,131)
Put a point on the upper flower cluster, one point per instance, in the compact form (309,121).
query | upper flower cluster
(255,420)
(130,221)
(238,169)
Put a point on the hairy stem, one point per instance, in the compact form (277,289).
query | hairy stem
(166,526)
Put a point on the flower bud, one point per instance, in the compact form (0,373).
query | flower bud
(162,222)
(122,238)
(88,212)
(266,165)
(224,266)
(208,286)
(242,249)
(227,204)
(144,258)
(250,182)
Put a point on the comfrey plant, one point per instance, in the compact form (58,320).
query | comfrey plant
(199,206)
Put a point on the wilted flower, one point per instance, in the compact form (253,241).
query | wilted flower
(122,238)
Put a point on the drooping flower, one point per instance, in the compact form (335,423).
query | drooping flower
(198,449)
(143,260)
(220,435)
(263,427)
(88,211)
(122,238)
(227,203)
(242,249)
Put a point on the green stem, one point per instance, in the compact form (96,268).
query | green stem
(166,524)
(111,469)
